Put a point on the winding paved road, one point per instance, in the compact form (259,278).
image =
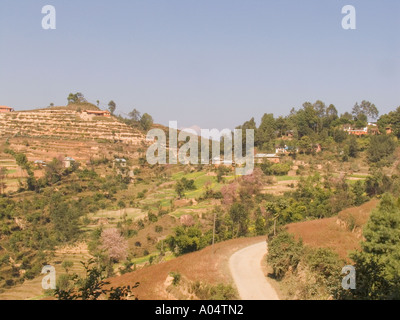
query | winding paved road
(245,266)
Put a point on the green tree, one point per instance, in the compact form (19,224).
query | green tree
(54,171)
(364,110)
(260,225)
(392,120)
(180,189)
(378,264)
(306,120)
(183,185)
(146,121)
(185,240)
(377,183)
(112,106)
(352,146)
(346,118)
(359,193)
(326,267)
(240,219)
(75,98)
(331,115)
(380,148)
(23,162)
(361,121)
(248,125)
(266,133)
(65,218)
(284,252)
(305,144)
(282,125)
(72,98)
(135,115)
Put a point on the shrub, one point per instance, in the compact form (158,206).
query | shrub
(186,240)
(326,266)
(214,292)
(92,286)
(277,169)
(152,217)
(284,253)
(67,264)
(176,278)
(64,282)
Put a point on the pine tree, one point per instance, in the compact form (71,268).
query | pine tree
(378,264)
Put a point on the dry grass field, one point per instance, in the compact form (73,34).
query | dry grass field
(32,289)
(335,232)
(209,265)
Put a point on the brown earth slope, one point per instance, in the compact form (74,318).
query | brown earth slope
(341,233)
(203,265)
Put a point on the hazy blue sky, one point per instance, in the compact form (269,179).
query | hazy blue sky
(212,63)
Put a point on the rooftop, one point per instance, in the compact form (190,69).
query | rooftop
(266,155)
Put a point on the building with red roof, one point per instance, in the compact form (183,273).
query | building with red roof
(6,109)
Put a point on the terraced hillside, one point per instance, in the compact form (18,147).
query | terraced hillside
(67,124)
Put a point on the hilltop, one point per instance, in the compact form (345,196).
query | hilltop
(67,123)
(65,131)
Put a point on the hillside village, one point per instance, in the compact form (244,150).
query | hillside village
(72,176)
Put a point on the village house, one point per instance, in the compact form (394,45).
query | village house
(101,113)
(355,131)
(120,162)
(280,149)
(371,129)
(260,157)
(286,149)
(40,163)
(68,161)
(4,109)
(217,161)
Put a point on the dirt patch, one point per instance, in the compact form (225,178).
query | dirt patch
(184,203)
(148,237)
(327,233)
(208,265)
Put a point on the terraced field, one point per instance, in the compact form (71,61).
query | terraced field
(66,124)
(32,289)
